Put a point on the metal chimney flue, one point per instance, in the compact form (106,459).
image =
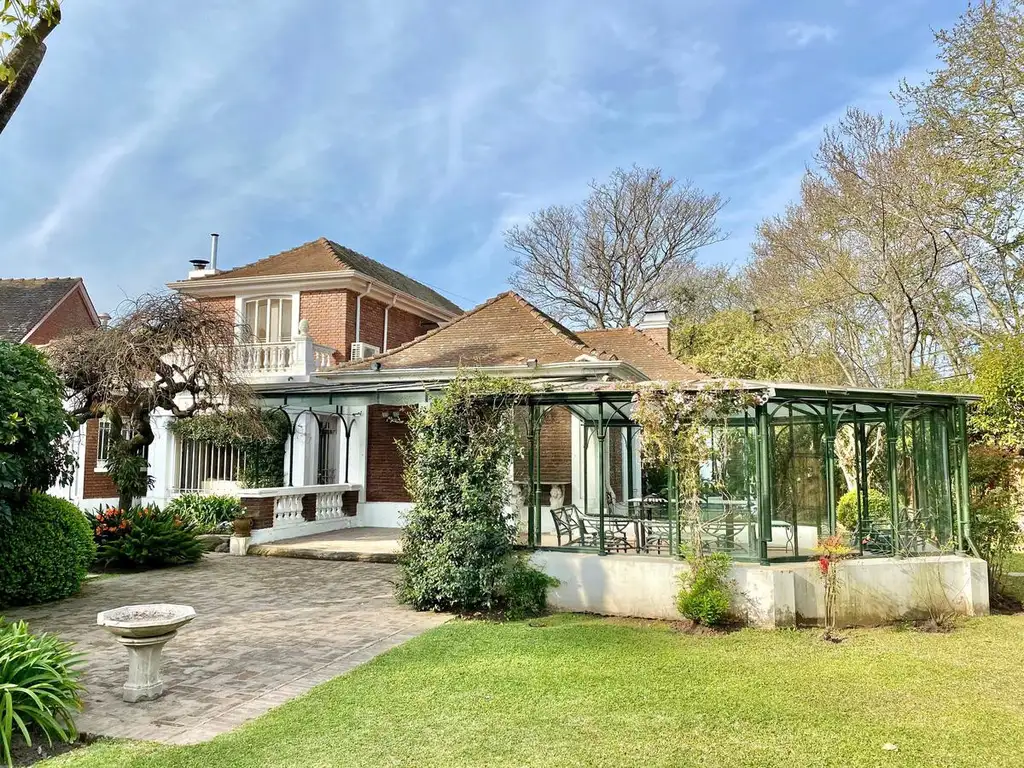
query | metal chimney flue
(213,250)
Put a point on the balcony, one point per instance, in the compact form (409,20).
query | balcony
(300,357)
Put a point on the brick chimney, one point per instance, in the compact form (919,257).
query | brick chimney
(655,325)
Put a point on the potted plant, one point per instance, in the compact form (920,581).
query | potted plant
(242,526)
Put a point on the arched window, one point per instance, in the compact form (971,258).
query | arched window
(268,320)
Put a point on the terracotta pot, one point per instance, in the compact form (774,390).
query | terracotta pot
(241,526)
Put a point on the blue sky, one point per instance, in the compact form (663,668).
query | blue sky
(416,132)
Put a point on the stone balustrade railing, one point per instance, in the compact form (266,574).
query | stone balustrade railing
(302,356)
(287,512)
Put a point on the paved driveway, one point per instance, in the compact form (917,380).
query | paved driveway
(267,630)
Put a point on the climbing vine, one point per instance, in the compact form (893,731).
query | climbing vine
(261,435)
(676,423)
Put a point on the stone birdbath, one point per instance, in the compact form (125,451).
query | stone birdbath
(144,630)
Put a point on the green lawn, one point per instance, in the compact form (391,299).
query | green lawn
(572,690)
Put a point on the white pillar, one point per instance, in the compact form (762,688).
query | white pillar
(162,459)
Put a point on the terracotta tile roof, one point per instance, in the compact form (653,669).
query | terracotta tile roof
(23,303)
(505,330)
(323,255)
(643,353)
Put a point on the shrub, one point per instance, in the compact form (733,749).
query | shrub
(847,513)
(995,526)
(46,548)
(705,597)
(458,546)
(143,537)
(205,513)
(34,430)
(39,687)
(524,590)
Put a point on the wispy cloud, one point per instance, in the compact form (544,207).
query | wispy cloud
(801,34)
(416,132)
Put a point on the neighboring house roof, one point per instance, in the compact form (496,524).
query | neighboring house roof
(508,330)
(642,352)
(325,255)
(25,303)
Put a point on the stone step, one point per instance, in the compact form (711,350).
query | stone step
(315,553)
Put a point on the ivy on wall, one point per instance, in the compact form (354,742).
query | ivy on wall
(262,436)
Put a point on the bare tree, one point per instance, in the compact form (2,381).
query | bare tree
(24,26)
(164,352)
(853,271)
(602,262)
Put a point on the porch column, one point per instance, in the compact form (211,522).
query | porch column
(764,478)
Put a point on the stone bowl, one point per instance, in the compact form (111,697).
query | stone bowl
(150,620)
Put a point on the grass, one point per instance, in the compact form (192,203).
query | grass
(585,691)
(1015,562)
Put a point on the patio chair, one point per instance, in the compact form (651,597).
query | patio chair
(574,530)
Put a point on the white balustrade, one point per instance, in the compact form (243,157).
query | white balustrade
(330,505)
(288,510)
(278,358)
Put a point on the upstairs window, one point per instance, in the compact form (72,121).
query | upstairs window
(268,320)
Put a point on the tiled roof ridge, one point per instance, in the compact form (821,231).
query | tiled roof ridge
(39,279)
(556,329)
(318,241)
(560,330)
(427,335)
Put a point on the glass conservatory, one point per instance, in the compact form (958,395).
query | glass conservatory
(885,470)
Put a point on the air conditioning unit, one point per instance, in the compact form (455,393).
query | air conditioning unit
(361,350)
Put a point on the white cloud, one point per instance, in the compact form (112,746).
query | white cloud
(801,34)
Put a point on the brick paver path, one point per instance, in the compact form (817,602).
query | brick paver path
(267,630)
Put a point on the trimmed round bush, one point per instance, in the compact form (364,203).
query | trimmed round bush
(846,509)
(45,549)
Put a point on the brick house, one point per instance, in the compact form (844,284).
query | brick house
(38,310)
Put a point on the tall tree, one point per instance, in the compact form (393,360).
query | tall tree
(602,262)
(164,352)
(852,271)
(972,109)
(24,27)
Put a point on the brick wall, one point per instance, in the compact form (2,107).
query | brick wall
(555,454)
(96,485)
(261,510)
(72,314)
(221,305)
(332,320)
(384,466)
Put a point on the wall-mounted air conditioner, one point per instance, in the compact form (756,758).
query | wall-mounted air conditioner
(360,350)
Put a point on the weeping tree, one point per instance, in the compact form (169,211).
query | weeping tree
(163,353)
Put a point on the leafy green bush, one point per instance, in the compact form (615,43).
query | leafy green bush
(458,546)
(847,513)
(524,590)
(995,526)
(34,430)
(143,537)
(705,595)
(46,548)
(205,513)
(39,687)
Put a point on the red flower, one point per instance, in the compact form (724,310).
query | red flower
(823,564)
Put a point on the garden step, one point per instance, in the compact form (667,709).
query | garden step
(313,553)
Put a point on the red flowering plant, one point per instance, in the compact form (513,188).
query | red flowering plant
(143,537)
(831,551)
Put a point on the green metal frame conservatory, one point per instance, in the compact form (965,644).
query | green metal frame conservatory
(886,470)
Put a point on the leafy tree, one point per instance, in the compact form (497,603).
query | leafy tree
(972,110)
(852,272)
(24,26)
(164,352)
(999,379)
(602,262)
(731,343)
(34,430)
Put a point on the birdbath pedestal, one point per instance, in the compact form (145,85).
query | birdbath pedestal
(144,630)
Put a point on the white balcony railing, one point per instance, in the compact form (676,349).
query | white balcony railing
(283,358)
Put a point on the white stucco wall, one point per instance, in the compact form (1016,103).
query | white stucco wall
(873,591)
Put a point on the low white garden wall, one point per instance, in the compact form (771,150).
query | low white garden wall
(873,591)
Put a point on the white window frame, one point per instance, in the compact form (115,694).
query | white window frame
(242,299)
(102,444)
